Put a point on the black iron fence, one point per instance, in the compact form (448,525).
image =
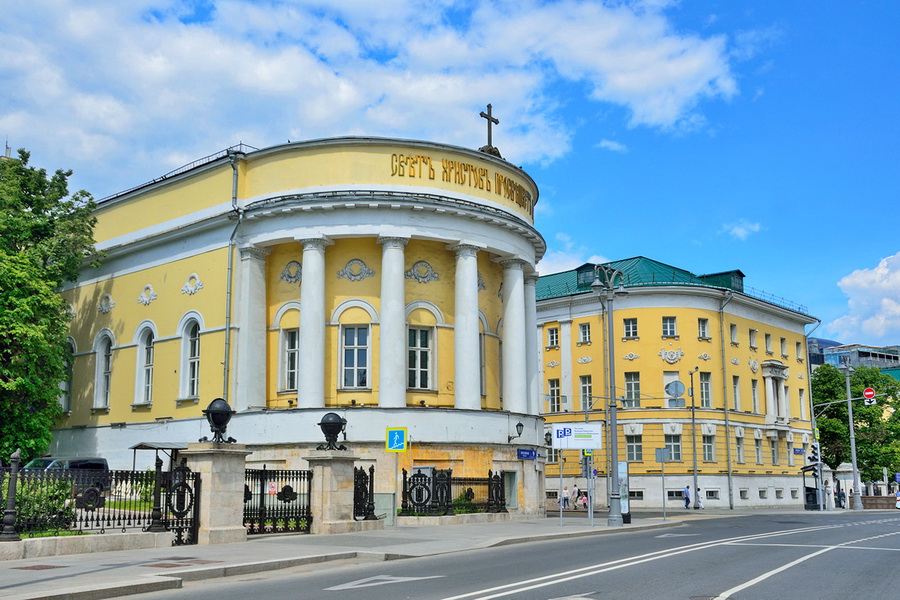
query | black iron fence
(277,501)
(441,493)
(364,494)
(58,502)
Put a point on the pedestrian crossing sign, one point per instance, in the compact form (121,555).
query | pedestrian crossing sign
(396,439)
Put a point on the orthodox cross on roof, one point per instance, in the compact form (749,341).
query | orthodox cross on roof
(491,120)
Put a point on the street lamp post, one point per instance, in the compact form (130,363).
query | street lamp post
(855,497)
(606,286)
(694,440)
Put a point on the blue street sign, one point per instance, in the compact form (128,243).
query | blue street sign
(396,439)
(526,454)
(897,477)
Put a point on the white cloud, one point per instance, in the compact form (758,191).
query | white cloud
(873,307)
(741,229)
(566,254)
(124,85)
(613,146)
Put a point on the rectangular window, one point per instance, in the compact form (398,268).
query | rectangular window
(419,363)
(790,452)
(703,329)
(736,391)
(552,456)
(734,339)
(668,327)
(587,390)
(631,330)
(706,390)
(355,350)
(774,446)
(753,339)
(673,445)
(634,448)
(553,337)
(758,444)
(632,390)
(291,349)
(754,394)
(709,448)
(193,378)
(635,494)
(799,351)
(483,364)
(553,395)
(739,449)
(584,333)
(671,400)
(768,343)
(802,393)
(784,353)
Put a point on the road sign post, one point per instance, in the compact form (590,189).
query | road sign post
(663,455)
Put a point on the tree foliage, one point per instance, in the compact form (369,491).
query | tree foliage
(45,237)
(877,427)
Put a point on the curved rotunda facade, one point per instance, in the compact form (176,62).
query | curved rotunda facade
(390,281)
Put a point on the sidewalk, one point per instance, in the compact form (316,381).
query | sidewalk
(120,573)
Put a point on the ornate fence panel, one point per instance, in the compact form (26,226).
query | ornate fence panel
(52,502)
(277,501)
(364,494)
(445,494)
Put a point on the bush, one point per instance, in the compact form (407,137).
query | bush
(42,503)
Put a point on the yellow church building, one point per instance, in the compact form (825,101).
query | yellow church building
(390,281)
(740,416)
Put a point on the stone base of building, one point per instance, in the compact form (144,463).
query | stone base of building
(83,544)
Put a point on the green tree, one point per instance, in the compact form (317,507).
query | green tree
(877,426)
(45,237)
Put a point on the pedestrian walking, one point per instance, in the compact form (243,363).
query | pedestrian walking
(565,498)
(687,496)
(584,500)
(897,495)
(575,496)
(700,499)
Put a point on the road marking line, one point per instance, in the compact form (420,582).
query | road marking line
(726,595)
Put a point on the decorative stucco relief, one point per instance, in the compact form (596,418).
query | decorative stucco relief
(754,365)
(106,304)
(422,272)
(584,360)
(705,356)
(292,272)
(671,356)
(481,285)
(355,270)
(631,356)
(147,296)
(552,364)
(192,285)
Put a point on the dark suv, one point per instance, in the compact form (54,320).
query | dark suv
(89,476)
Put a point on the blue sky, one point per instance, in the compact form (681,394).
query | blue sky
(761,136)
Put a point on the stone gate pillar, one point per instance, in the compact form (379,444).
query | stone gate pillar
(331,493)
(222,472)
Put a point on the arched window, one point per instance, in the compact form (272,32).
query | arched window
(144,381)
(190,360)
(422,319)
(287,321)
(103,376)
(355,318)
(65,386)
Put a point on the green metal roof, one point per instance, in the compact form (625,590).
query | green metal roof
(643,271)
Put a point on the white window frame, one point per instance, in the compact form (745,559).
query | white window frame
(705,389)
(709,448)
(290,359)
(799,351)
(103,373)
(703,329)
(632,390)
(734,334)
(482,363)
(356,370)
(416,354)
(630,328)
(784,353)
(553,396)
(191,348)
(757,443)
(584,333)
(673,445)
(736,392)
(670,327)
(143,388)
(65,386)
(754,394)
(739,449)
(552,337)
(586,385)
(752,336)
(634,448)
(768,343)
(774,447)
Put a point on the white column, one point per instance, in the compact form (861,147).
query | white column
(392,331)
(250,367)
(515,394)
(531,345)
(771,398)
(311,392)
(466,351)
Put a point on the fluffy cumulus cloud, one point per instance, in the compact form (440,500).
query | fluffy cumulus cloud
(873,308)
(565,254)
(137,86)
(741,229)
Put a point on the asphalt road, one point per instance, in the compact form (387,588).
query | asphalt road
(804,556)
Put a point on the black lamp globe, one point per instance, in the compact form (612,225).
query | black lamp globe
(332,425)
(218,414)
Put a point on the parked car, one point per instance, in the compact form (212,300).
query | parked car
(89,476)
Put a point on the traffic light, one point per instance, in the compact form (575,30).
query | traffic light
(586,466)
(814,452)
